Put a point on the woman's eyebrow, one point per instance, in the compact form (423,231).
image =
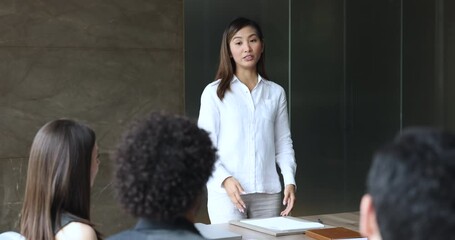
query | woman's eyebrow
(251,35)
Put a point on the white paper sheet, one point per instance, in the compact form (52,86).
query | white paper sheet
(283,223)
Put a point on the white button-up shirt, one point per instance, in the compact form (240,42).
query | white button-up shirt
(251,132)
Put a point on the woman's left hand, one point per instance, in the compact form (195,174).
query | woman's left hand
(289,199)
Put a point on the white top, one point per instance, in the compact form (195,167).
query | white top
(11,235)
(251,132)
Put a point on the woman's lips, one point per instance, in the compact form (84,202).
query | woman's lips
(248,58)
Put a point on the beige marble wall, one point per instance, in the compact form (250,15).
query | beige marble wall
(100,62)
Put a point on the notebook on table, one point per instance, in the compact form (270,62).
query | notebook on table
(333,233)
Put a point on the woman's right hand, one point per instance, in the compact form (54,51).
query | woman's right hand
(234,189)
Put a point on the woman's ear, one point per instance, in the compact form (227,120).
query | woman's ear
(368,222)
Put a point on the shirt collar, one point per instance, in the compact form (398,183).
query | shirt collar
(235,78)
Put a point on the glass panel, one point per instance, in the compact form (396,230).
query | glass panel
(317,109)
(345,69)
(373,80)
(448,63)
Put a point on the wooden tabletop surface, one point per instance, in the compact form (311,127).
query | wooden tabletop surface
(347,219)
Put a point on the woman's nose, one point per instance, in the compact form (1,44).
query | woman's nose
(247,48)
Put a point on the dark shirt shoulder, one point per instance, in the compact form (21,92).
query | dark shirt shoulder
(65,219)
(152,230)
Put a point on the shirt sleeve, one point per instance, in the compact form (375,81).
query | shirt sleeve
(284,150)
(209,120)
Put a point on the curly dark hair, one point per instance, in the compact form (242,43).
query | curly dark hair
(162,165)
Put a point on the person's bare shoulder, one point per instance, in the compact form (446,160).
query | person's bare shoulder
(76,231)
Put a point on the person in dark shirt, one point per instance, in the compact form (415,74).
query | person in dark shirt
(162,165)
(411,188)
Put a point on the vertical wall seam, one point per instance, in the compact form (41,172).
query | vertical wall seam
(346,96)
(289,61)
(401,65)
(439,62)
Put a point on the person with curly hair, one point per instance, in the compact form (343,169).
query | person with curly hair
(162,165)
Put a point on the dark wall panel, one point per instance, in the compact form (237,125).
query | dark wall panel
(428,63)
(449,64)
(373,34)
(317,94)
(345,88)
(420,92)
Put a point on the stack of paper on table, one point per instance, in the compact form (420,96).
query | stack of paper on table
(278,226)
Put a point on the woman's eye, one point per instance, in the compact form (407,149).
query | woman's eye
(253,40)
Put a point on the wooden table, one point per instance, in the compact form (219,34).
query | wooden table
(348,220)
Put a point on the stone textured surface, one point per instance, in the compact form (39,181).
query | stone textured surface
(101,62)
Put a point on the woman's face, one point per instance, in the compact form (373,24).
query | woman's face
(246,48)
(94,165)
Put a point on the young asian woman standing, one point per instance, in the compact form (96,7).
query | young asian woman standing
(246,116)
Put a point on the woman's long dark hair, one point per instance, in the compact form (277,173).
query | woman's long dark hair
(58,178)
(226,67)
